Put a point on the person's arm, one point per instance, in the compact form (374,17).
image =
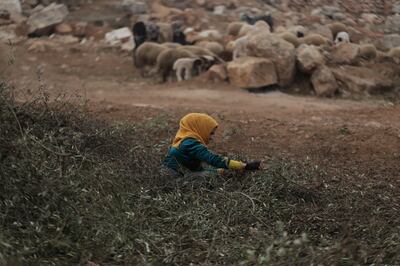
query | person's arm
(201,153)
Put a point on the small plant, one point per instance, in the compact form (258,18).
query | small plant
(344,130)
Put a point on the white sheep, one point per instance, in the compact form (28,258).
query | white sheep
(342,37)
(184,67)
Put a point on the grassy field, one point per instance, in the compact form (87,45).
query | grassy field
(76,189)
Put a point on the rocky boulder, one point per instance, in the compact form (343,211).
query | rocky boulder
(134,7)
(345,53)
(252,72)
(396,8)
(47,17)
(122,37)
(279,51)
(63,29)
(322,30)
(11,5)
(324,82)
(217,73)
(309,58)
(390,41)
(360,80)
(392,24)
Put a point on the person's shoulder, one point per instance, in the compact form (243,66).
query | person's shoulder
(190,142)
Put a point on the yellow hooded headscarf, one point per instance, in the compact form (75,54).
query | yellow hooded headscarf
(197,126)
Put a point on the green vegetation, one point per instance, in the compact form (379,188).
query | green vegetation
(75,189)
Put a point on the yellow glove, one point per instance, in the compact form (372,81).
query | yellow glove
(236,165)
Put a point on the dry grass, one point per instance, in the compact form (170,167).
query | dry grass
(74,189)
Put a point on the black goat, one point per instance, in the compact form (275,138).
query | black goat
(150,32)
(139,33)
(253,19)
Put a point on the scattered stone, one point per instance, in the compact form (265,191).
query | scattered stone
(63,29)
(128,46)
(370,18)
(79,29)
(322,30)
(218,73)
(345,53)
(96,33)
(219,10)
(309,58)
(8,34)
(11,5)
(40,46)
(47,17)
(279,51)
(17,18)
(65,39)
(390,41)
(252,72)
(31,3)
(134,7)
(201,2)
(339,16)
(316,12)
(119,37)
(324,82)
(37,8)
(396,9)
(373,124)
(392,24)
(362,79)
(4,22)
(4,14)
(329,11)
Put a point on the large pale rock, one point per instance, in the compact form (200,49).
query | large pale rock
(219,10)
(63,29)
(329,11)
(279,51)
(7,34)
(218,73)
(396,8)
(370,18)
(345,53)
(324,82)
(390,41)
(309,58)
(362,79)
(252,72)
(10,5)
(122,37)
(17,18)
(47,17)
(392,24)
(119,36)
(322,30)
(134,6)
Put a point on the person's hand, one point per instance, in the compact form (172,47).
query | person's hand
(256,165)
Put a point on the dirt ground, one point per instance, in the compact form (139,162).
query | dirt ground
(340,135)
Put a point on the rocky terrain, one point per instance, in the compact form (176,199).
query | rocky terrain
(368,64)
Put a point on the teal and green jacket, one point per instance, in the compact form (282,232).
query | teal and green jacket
(190,154)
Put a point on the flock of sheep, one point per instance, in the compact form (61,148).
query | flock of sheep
(166,49)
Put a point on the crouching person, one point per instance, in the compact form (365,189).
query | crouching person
(189,151)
